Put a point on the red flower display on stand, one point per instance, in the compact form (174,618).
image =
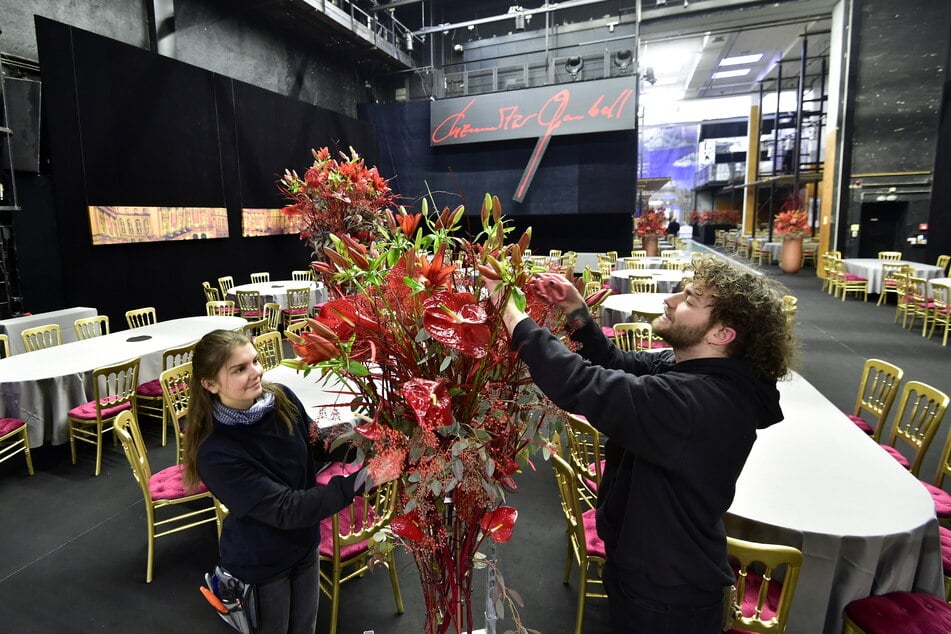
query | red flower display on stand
(651,223)
(793,223)
(444,400)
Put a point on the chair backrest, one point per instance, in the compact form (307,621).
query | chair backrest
(263,276)
(891,270)
(254,328)
(584,453)
(756,567)
(270,349)
(298,299)
(296,327)
(604,268)
(225,283)
(176,391)
(570,493)
(91,327)
(41,337)
(365,516)
(877,391)
(591,287)
(114,385)
(645,284)
(138,317)
(249,303)
(633,336)
(174,357)
(272,312)
(127,429)
(302,276)
(4,346)
(211,293)
(889,255)
(219,308)
(920,412)
(638,253)
(943,261)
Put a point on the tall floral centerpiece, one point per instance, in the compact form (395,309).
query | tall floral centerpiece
(337,196)
(650,226)
(792,225)
(446,405)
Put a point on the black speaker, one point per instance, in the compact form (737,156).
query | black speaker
(22,97)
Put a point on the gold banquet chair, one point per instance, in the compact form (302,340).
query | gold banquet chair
(344,540)
(260,278)
(164,492)
(940,309)
(41,337)
(113,393)
(148,396)
(272,313)
(762,602)
(632,336)
(877,391)
(889,255)
(176,392)
(584,455)
(220,308)
(138,317)
(15,439)
(846,282)
(254,328)
(584,546)
(211,293)
(270,349)
(302,276)
(642,284)
(250,304)
(4,346)
(225,283)
(298,305)
(893,276)
(920,412)
(297,327)
(91,327)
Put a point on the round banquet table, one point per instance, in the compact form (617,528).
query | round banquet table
(618,308)
(323,400)
(42,386)
(864,524)
(276,291)
(942,280)
(667,280)
(871,268)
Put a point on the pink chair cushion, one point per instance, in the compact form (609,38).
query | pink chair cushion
(9,425)
(335,469)
(851,277)
(150,388)
(294,311)
(945,535)
(250,313)
(592,542)
(87,411)
(894,453)
(318,306)
(608,331)
(588,482)
(861,424)
(751,596)
(905,612)
(942,500)
(326,548)
(167,484)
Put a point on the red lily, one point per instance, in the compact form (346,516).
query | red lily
(435,274)
(408,223)
(499,524)
(313,348)
(458,321)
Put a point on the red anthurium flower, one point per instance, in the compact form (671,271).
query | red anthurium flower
(407,526)
(458,321)
(498,524)
(429,400)
(369,430)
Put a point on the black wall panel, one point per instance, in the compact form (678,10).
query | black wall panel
(132,128)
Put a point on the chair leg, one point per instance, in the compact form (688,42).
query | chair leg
(335,600)
(570,558)
(395,582)
(582,591)
(150,518)
(26,451)
(98,447)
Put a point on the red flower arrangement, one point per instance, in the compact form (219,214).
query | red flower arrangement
(791,223)
(716,217)
(446,403)
(651,223)
(336,196)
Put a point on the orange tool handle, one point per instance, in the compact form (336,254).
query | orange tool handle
(213,600)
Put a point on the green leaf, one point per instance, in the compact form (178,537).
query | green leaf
(357,369)
(519,298)
(500,608)
(445,362)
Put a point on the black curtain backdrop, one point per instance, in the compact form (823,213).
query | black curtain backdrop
(128,127)
(582,196)
(939,216)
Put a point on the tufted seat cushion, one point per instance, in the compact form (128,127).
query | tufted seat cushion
(295,311)
(861,424)
(9,425)
(87,411)
(751,597)
(335,469)
(942,500)
(945,535)
(327,530)
(151,389)
(897,455)
(852,277)
(167,484)
(905,612)
(593,543)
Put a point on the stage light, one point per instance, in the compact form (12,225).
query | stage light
(574,66)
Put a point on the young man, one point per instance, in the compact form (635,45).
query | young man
(680,425)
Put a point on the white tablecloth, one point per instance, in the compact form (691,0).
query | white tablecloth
(667,280)
(65,318)
(618,308)
(871,268)
(943,280)
(865,525)
(42,386)
(277,291)
(324,402)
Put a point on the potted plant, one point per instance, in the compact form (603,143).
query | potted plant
(792,224)
(650,226)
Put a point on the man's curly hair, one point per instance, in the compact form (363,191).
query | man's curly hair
(752,305)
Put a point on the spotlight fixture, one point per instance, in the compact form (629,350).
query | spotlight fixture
(623,58)
(409,41)
(574,66)
(457,48)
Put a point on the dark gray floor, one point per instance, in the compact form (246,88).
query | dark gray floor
(73,553)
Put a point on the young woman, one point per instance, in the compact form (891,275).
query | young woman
(248,441)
